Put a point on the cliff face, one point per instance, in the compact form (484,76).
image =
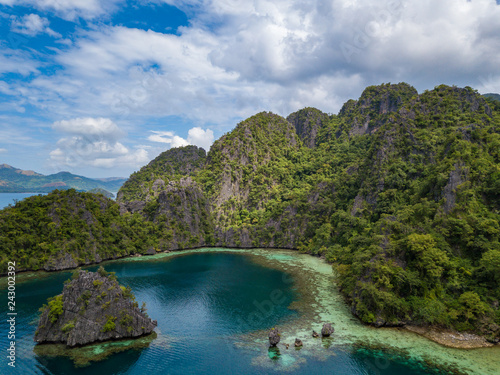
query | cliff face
(146,184)
(397,190)
(307,123)
(93,307)
(400,191)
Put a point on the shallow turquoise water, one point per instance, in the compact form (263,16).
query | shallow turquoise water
(208,307)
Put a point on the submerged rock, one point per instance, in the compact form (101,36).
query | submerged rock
(274,337)
(274,353)
(92,307)
(327,330)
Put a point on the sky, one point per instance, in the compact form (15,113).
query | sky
(101,87)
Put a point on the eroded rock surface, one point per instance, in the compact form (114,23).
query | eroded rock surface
(92,307)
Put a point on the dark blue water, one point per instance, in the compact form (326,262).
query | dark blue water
(205,304)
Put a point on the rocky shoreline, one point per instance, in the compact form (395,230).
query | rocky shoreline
(448,338)
(451,339)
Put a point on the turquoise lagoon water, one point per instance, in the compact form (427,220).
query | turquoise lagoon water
(214,310)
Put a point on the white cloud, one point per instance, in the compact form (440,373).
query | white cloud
(201,138)
(237,58)
(69,9)
(196,136)
(277,56)
(90,127)
(168,138)
(33,24)
(3,150)
(93,142)
(15,61)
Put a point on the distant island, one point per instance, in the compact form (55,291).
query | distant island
(492,96)
(15,180)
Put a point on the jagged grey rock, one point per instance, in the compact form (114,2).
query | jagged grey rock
(93,307)
(327,330)
(274,337)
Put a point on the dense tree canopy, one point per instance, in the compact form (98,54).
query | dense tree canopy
(400,191)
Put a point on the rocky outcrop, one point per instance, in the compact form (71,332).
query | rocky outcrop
(274,337)
(327,330)
(307,123)
(366,115)
(60,262)
(93,307)
(145,185)
(457,177)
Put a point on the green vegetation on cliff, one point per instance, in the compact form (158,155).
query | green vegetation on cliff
(66,228)
(168,166)
(400,191)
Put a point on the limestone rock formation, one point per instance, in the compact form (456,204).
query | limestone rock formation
(274,337)
(92,307)
(327,330)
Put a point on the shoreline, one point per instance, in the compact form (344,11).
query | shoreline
(450,338)
(444,337)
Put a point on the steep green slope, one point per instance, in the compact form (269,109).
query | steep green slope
(399,191)
(168,166)
(65,229)
(166,194)
(422,231)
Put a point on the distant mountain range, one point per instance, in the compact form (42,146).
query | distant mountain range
(14,180)
(492,96)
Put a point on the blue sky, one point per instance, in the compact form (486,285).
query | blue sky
(101,87)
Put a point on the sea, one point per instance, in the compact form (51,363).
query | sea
(214,309)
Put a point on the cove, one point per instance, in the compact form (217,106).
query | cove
(214,308)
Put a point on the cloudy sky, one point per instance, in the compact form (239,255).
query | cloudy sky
(100,87)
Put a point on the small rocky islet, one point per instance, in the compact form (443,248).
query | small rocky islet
(93,307)
(275,336)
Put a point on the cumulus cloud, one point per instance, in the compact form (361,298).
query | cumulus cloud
(93,142)
(168,138)
(90,127)
(240,57)
(277,56)
(32,24)
(201,138)
(196,136)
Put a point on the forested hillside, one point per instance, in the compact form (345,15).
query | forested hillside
(399,190)
(66,228)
